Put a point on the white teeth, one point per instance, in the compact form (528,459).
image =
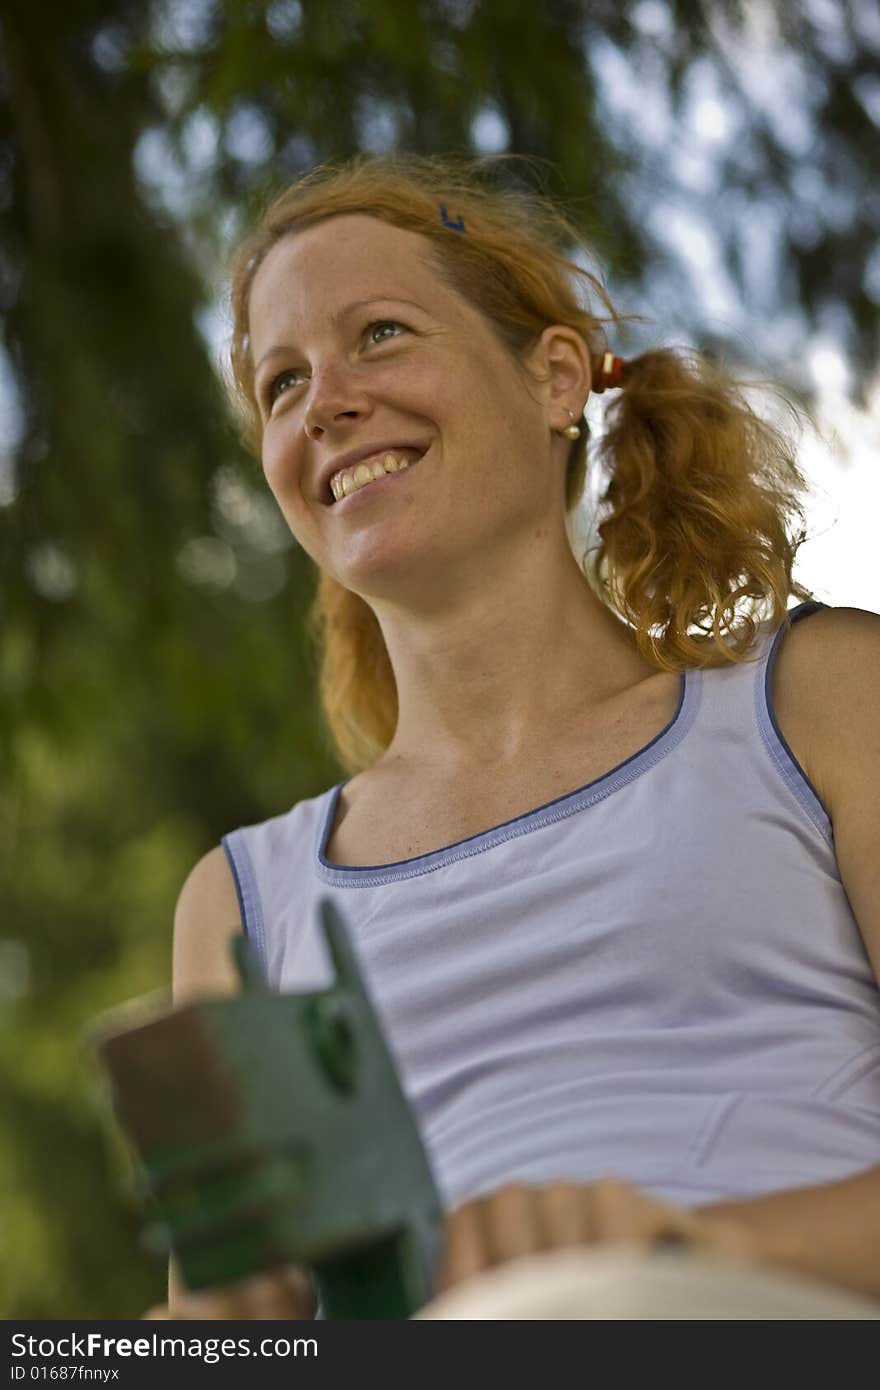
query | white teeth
(352,479)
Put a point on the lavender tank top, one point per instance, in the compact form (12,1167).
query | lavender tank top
(657,976)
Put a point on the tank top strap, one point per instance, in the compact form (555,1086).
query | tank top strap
(737,705)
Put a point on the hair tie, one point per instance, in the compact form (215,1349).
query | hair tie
(448,222)
(607,372)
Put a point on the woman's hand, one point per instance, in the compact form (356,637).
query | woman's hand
(278,1294)
(520,1220)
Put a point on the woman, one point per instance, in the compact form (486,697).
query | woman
(613,883)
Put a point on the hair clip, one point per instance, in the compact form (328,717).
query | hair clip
(607,372)
(448,222)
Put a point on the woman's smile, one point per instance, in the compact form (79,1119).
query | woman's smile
(377,487)
(347,373)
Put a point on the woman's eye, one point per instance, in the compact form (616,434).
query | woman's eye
(385,323)
(274,389)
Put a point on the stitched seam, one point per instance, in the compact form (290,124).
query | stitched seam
(248,893)
(341,877)
(703,1144)
(792,775)
(848,1073)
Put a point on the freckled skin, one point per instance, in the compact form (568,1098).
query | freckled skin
(464,558)
(493,464)
(501,652)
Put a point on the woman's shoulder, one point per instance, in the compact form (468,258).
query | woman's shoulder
(823,664)
(206,917)
(293,819)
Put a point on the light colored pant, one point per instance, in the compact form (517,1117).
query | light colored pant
(620,1282)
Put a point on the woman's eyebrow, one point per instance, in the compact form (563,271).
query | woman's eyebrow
(337,318)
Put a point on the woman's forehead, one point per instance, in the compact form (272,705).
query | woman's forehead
(313,275)
(357,254)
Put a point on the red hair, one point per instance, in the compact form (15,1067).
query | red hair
(697,514)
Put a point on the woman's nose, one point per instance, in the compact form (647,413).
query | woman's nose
(332,394)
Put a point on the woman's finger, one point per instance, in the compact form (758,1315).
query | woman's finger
(510,1223)
(620,1212)
(263,1296)
(279,1294)
(518,1220)
(464,1251)
(563,1216)
(209,1304)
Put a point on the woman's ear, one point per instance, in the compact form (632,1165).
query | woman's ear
(560,360)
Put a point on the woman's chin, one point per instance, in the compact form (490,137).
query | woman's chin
(400,576)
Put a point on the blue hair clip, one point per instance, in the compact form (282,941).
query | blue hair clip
(448,222)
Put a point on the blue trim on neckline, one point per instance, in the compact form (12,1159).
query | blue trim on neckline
(368,875)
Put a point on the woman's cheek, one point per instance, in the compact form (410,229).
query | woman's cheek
(282,472)
(273,462)
(290,506)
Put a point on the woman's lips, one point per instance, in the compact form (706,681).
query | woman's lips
(376,486)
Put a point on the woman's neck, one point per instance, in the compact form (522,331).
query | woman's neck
(479,681)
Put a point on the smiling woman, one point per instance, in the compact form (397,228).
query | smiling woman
(602,842)
(697,517)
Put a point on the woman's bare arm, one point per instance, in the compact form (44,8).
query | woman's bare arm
(206,917)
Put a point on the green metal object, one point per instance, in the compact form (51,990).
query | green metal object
(272,1129)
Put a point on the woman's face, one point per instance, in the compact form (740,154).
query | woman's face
(358,345)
